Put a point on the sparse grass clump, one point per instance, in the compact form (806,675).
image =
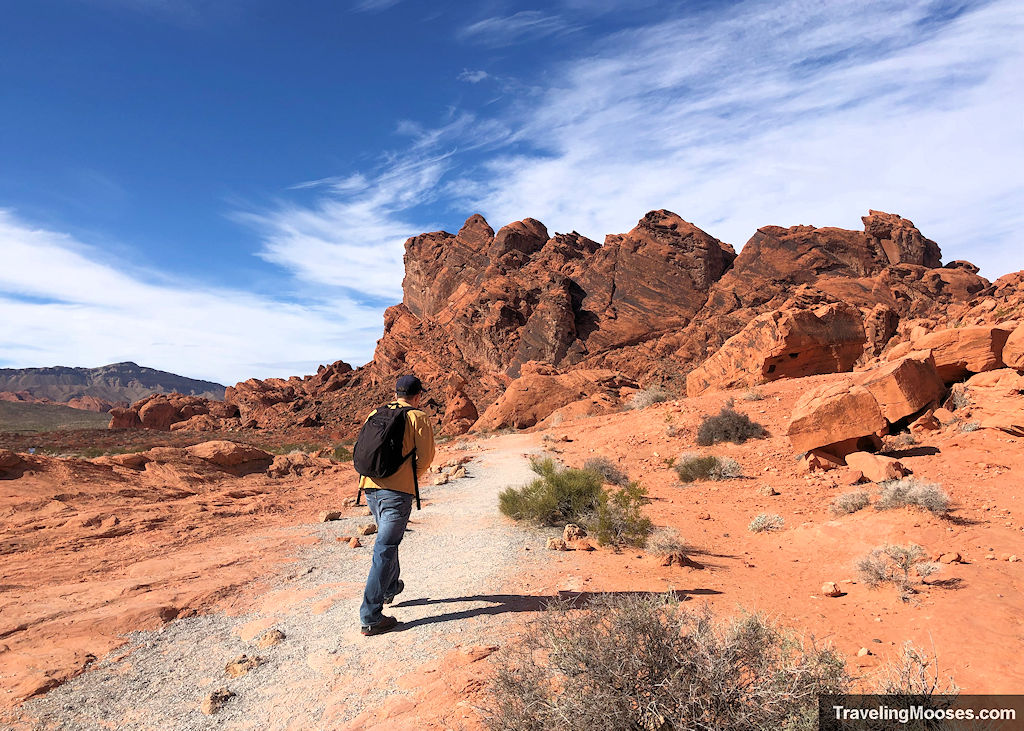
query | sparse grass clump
(753,395)
(618,519)
(556,497)
(342,453)
(666,541)
(608,470)
(970,426)
(890,564)
(910,492)
(850,502)
(642,662)
(729,426)
(646,397)
(765,522)
(693,467)
(292,447)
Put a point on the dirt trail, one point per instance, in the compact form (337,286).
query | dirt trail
(456,560)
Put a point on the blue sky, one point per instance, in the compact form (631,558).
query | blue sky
(222,188)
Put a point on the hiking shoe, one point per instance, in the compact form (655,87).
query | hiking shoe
(386,624)
(399,588)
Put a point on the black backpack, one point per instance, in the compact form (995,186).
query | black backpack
(378,449)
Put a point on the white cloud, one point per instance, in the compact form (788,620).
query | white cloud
(507,30)
(782,114)
(61,305)
(474,76)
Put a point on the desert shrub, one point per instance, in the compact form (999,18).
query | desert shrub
(666,541)
(693,467)
(342,453)
(556,497)
(753,395)
(608,470)
(891,564)
(293,448)
(959,400)
(911,492)
(728,426)
(618,518)
(970,426)
(641,662)
(916,674)
(646,397)
(850,502)
(764,522)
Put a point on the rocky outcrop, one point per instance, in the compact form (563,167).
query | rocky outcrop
(165,412)
(787,343)
(959,352)
(542,389)
(904,387)
(1013,350)
(231,456)
(838,419)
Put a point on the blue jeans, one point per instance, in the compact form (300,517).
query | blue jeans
(391,510)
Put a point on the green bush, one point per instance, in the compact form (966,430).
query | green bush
(342,453)
(608,470)
(618,519)
(729,426)
(642,662)
(556,497)
(693,467)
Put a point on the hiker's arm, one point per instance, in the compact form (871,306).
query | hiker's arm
(423,433)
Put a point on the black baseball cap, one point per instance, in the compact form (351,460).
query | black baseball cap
(408,386)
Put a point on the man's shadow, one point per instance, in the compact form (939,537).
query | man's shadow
(514,603)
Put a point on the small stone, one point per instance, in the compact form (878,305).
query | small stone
(951,557)
(847,476)
(270,638)
(242,664)
(367,530)
(459,473)
(768,490)
(990,557)
(572,531)
(863,652)
(680,559)
(215,701)
(557,544)
(349,502)
(704,516)
(831,588)
(327,516)
(1013,558)
(580,544)
(353,542)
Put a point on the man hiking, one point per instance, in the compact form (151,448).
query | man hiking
(394,449)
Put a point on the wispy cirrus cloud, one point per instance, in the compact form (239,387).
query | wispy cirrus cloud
(507,30)
(59,299)
(473,76)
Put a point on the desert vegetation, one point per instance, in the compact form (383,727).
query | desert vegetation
(901,566)
(850,502)
(643,662)
(765,523)
(607,469)
(647,397)
(909,492)
(693,467)
(564,495)
(729,425)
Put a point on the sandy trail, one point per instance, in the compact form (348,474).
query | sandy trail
(456,560)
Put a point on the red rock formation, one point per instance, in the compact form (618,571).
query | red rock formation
(166,411)
(785,343)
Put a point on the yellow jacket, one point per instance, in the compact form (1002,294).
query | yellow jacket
(418,433)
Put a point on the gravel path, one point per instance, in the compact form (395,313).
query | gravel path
(456,558)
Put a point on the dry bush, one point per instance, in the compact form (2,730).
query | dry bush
(646,397)
(764,522)
(642,662)
(693,467)
(917,675)
(970,426)
(729,425)
(891,564)
(850,502)
(753,395)
(910,492)
(665,542)
(608,470)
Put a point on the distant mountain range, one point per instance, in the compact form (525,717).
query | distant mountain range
(115,383)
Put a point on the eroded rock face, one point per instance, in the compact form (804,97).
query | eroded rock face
(175,411)
(839,419)
(905,386)
(784,344)
(959,352)
(1013,350)
(229,455)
